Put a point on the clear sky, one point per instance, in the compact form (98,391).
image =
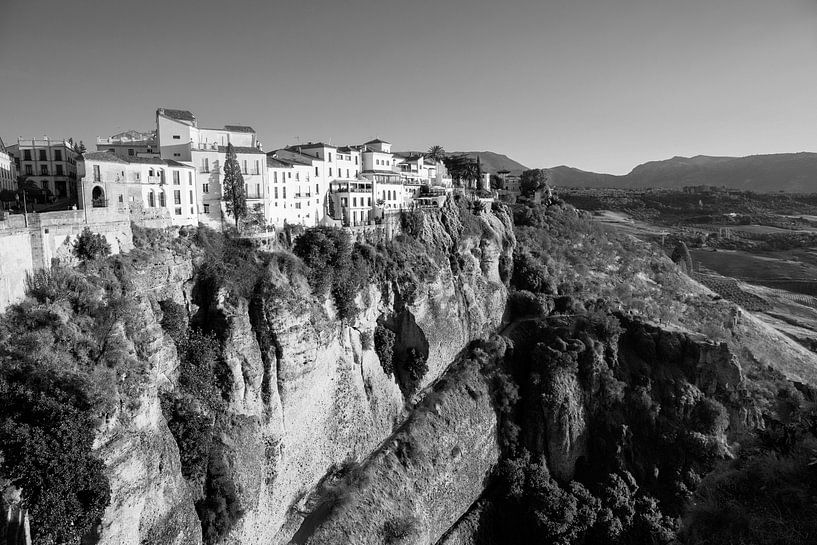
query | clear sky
(601,85)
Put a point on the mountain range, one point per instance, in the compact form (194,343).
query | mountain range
(790,172)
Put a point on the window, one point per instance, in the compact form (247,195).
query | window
(289,175)
(244,166)
(355,159)
(257,167)
(178,211)
(138,176)
(58,155)
(347,172)
(191,196)
(43,156)
(276,192)
(330,171)
(284,190)
(354,201)
(29,170)
(131,152)
(206,208)
(189,178)
(177,137)
(177,155)
(330,157)
(121,198)
(316,171)
(43,170)
(257,190)
(59,170)
(150,173)
(151,200)
(27,155)
(97,174)
(205,164)
(177,197)
(162,199)
(205,188)
(316,189)
(275,177)
(175,177)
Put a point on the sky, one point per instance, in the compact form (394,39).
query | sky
(600,85)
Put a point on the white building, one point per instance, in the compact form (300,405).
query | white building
(143,187)
(180,139)
(51,164)
(8,170)
(291,192)
(130,144)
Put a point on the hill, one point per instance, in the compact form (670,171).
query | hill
(493,162)
(791,172)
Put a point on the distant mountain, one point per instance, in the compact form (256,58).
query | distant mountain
(791,172)
(493,162)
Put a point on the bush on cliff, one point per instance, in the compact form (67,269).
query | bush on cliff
(384,347)
(327,251)
(90,245)
(46,438)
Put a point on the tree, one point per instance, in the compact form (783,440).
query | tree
(233,187)
(532,180)
(90,246)
(497,182)
(81,148)
(436,154)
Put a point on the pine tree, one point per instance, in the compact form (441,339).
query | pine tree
(233,187)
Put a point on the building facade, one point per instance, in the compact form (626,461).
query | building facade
(142,187)
(8,170)
(51,164)
(130,144)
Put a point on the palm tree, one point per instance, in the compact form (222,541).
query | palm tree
(436,153)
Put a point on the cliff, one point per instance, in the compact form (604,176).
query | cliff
(304,392)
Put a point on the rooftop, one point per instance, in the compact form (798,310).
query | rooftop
(311,145)
(180,115)
(241,149)
(239,128)
(109,157)
(377,141)
(274,162)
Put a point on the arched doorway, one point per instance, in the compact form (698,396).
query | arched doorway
(98,197)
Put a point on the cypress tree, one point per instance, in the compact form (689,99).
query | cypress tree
(233,187)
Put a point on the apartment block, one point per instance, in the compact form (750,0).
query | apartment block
(51,164)
(142,187)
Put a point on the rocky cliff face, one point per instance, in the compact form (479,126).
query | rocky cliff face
(303,394)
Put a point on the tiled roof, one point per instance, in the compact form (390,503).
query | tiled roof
(239,128)
(277,163)
(376,141)
(103,156)
(310,145)
(300,158)
(181,115)
(242,149)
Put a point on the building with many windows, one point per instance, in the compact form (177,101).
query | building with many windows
(8,170)
(181,139)
(130,144)
(51,164)
(143,187)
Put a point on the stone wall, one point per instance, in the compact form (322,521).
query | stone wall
(34,242)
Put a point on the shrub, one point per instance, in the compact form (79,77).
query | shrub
(220,508)
(46,438)
(416,365)
(174,319)
(531,275)
(90,246)
(397,529)
(411,222)
(192,431)
(710,417)
(384,347)
(366,340)
(327,251)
